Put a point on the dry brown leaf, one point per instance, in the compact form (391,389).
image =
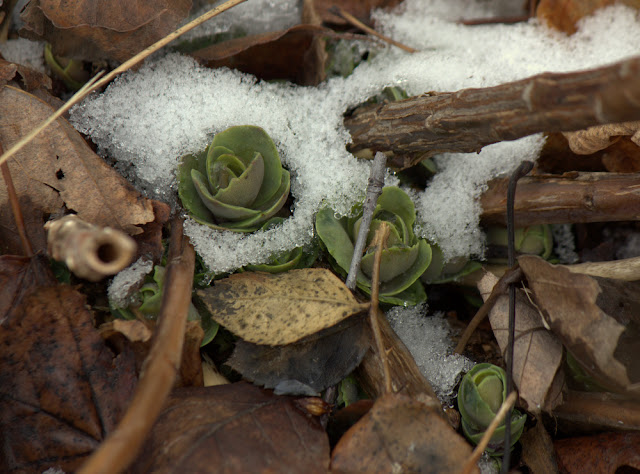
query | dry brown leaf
(280,309)
(400,434)
(563,15)
(317,361)
(59,169)
(291,54)
(30,78)
(538,356)
(61,389)
(101,29)
(603,453)
(233,428)
(593,139)
(597,319)
(537,450)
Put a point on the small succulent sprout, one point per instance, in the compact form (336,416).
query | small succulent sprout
(237,183)
(533,240)
(482,391)
(70,71)
(441,271)
(403,260)
(299,257)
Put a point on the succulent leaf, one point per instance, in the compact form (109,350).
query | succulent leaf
(237,183)
(482,392)
(403,260)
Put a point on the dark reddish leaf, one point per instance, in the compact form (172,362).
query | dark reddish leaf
(233,428)
(317,361)
(400,434)
(294,54)
(603,453)
(102,29)
(61,389)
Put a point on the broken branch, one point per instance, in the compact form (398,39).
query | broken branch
(465,121)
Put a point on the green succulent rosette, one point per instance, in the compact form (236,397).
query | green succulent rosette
(299,257)
(482,391)
(237,183)
(441,271)
(403,261)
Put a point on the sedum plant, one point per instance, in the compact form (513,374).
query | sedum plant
(482,391)
(532,240)
(237,183)
(299,257)
(403,261)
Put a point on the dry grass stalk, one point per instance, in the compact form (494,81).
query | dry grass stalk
(90,252)
(160,368)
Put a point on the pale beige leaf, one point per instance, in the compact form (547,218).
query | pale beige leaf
(537,368)
(599,137)
(280,309)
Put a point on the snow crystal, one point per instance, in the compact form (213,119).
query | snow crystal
(427,338)
(128,281)
(564,245)
(173,106)
(25,52)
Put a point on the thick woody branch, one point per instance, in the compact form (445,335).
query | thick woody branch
(569,198)
(465,121)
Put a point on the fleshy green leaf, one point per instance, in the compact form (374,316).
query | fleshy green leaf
(242,191)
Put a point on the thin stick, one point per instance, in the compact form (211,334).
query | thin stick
(15,208)
(482,445)
(380,241)
(94,83)
(522,170)
(374,189)
(512,275)
(358,24)
(160,368)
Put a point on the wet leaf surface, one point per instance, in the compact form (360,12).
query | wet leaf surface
(597,319)
(58,169)
(400,434)
(233,428)
(280,309)
(61,389)
(538,356)
(99,30)
(318,361)
(604,453)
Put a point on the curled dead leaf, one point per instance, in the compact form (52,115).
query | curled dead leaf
(564,15)
(593,139)
(597,319)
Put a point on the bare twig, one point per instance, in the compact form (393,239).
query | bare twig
(348,17)
(505,408)
(522,170)
(380,242)
(627,269)
(15,208)
(94,83)
(467,120)
(577,197)
(374,189)
(160,368)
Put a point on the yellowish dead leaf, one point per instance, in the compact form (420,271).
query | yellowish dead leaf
(593,139)
(280,309)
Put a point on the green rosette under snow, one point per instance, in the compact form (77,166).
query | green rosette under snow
(403,260)
(482,391)
(237,183)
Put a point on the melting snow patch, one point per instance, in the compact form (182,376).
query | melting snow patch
(171,106)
